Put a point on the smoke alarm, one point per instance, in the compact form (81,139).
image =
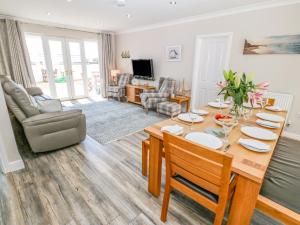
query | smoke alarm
(121,3)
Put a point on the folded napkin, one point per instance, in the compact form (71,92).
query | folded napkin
(174,129)
(268,123)
(275,108)
(254,144)
(218,132)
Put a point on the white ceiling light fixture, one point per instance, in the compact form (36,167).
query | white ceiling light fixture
(48,13)
(173,3)
(69,0)
(128,15)
(121,3)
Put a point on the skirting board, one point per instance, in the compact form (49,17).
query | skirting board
(14,166)
(291,135)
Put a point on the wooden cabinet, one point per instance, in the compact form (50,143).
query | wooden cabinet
(134,91)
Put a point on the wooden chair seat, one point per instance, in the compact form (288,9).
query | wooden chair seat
(200,173)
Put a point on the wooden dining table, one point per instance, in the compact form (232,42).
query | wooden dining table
(249,166)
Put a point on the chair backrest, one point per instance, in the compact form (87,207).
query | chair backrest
(167,85)
(207,168)
(124,79)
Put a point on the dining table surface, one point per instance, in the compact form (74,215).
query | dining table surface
(249,166)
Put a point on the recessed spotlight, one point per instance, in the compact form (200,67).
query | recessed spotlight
(48,13)
(121,3)
(128,15)
(173,3)
(69,0)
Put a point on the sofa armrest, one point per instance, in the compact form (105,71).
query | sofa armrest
(156,95)
(52,117)
(34,91)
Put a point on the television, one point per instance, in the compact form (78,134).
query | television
(143,69)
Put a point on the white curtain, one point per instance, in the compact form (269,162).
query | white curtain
(14,58)
(106,45)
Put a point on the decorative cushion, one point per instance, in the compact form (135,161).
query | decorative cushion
(50,105)
(20,96)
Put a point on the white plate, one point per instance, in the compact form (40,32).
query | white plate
(204,139)
(187,117)
(259,133)
(266,148)
(268,124)
(200,112)
(274,108)
(270,117)
(248,105)
(218,105)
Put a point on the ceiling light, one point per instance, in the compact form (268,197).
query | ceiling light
(69,0)
(128,15)
(173,2)
(121,3)
(48,13)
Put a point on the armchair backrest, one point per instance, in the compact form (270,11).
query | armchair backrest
(18,100)
(167,85)
(124,79)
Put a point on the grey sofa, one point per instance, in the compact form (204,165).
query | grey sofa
(46,126)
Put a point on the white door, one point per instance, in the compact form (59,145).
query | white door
(212,54)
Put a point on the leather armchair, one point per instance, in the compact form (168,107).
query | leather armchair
(45,130)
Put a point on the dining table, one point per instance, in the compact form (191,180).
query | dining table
(249,166)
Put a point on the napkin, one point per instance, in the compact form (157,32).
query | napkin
(254,144)
(268,123)
(275,108)
(174,129)
(218,132)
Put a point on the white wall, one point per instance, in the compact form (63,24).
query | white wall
(282,71)
(10,158)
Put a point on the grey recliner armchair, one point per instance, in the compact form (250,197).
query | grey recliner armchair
(151,98)
(46,126)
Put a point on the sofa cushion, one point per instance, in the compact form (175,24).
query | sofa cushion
(49,105)
(14,108)
(20,96)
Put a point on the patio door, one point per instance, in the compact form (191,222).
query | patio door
(66,68)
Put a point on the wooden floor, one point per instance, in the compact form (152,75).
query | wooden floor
(89,183)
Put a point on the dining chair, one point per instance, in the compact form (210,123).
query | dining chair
(201,173)
(145,155)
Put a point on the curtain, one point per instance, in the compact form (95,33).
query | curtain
(14,54)
(107,59)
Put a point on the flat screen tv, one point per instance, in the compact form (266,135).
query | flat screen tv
(143,69)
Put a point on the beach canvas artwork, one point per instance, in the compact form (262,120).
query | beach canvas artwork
(286,44)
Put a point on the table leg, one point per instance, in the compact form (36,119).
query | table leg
(188,105)
(155,160)
(244,201)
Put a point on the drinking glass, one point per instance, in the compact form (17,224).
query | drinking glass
(193,119)
(227,125)
(247,112)
(263,102)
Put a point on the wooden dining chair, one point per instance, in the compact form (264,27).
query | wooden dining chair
(200,173)
(145,154)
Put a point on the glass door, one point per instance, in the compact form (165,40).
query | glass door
(59,69)
(77,68)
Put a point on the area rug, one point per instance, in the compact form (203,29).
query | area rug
(108,121)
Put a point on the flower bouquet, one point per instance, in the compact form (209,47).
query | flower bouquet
(241,88)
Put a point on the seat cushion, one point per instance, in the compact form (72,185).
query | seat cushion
(113,88)
(21,97)
(197,188)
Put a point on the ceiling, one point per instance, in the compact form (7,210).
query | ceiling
(106,15)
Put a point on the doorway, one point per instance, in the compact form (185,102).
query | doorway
(212,54)
(64,68)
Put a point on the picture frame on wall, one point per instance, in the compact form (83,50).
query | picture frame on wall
(173,53)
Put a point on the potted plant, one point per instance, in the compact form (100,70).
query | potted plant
(241,88)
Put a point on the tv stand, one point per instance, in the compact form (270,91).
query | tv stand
(134,91)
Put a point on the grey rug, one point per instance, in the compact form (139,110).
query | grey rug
(111,120)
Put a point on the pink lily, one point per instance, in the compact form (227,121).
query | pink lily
(222,84)
(263,86)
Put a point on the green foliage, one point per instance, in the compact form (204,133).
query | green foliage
(237,86)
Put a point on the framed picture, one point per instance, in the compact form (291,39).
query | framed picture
(173,53)
(285,44)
